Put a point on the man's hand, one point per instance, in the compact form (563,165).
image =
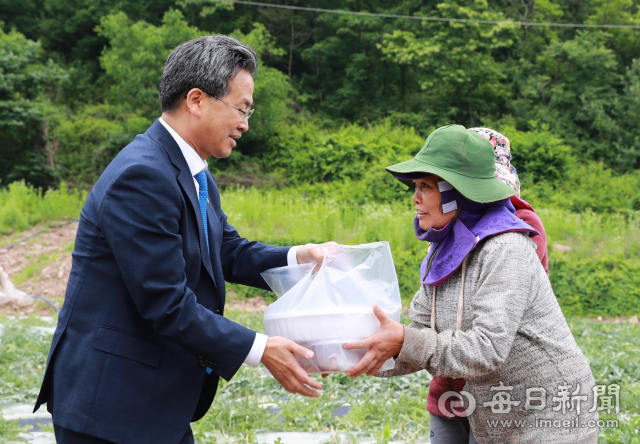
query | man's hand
(385,344)
(279,358)
(314,253)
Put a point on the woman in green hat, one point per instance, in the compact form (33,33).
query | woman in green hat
(485,310)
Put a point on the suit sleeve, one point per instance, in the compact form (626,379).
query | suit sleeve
(140,218)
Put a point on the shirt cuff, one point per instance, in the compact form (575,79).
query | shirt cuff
(257,350)
(291,256)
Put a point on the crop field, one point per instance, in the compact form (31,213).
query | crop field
(381,409)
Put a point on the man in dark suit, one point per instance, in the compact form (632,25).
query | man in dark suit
(141,339)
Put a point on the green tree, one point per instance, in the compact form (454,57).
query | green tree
(28,87)
(91,138)
(573,89)
(460,70)
(135,57)
(624,42)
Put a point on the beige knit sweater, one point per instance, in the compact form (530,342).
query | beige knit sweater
(512,331)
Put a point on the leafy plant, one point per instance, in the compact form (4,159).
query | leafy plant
(22,206)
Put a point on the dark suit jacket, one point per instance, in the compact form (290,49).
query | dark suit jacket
(143,309)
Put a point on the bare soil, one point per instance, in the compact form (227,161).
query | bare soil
(50,280)
(52,248)
(247,305)
(23,307)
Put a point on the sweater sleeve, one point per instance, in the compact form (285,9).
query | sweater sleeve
(419,339)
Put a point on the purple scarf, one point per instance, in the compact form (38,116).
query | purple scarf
(474,222)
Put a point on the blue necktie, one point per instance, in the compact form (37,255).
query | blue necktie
(202,198)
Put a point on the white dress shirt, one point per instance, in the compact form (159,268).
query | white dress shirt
(196,165)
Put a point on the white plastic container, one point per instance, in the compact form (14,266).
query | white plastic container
(322,311)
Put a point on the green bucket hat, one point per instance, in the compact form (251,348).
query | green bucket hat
(463,158)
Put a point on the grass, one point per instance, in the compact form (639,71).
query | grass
(10,430)
(591,234)
(599,276)
(23,356)
(385,409)
(603,266)
(290,217)
(34,266)
(287,217)
(612,351)
(22,206)
(398,404)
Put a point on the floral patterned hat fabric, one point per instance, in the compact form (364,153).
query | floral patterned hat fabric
(502,147)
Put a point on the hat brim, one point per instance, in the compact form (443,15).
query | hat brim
(483,190)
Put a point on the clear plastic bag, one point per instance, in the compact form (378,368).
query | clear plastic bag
(334,306)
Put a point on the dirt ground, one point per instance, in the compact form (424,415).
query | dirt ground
(50,279)
(52,249)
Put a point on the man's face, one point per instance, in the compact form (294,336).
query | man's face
(219,126)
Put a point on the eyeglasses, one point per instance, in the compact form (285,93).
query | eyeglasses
(246,113)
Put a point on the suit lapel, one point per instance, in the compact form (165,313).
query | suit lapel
(162,136)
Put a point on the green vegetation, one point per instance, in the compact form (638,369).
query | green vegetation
(10,430)
(337,96)
(22,206)
(24,346)
(34,266)
(384,408)
(599,277)
(610,349)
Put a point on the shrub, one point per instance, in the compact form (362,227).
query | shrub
(92,138)
(22,206)
(598,286)
(351,160)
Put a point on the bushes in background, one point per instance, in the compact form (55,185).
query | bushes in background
(598,286)
(22,206)
(599,277)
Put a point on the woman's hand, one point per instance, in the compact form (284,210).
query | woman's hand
(385,344)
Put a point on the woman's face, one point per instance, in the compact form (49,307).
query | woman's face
(428,203)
